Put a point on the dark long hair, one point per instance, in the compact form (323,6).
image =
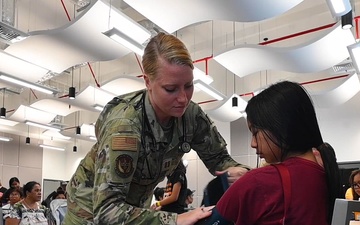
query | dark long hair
(285,113)
(13,179)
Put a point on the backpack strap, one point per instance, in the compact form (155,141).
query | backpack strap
(286,182)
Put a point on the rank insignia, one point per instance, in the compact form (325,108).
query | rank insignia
(124,166)
(167,163)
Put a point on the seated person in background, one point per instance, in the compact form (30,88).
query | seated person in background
(353,193)
(59,194)
(159,193)
(63,185)
(28,211)
(58,207)
(348,194)
(175,192)
(14,197)
(189,199)
(14,182)
(285,132)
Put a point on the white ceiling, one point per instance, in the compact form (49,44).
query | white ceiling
(228,39)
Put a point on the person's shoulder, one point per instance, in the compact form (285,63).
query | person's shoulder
(297,162)
(3,189)
(132,98)
(116,108)
(43,207)
(193,111)
(193,107)
(7,206)
(18,205)
(261,171)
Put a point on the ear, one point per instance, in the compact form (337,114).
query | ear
(147,81)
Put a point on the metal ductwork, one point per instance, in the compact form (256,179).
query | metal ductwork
(7,12)
(8,34)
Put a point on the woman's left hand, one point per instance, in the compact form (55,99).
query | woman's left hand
(233,173)
(155,207)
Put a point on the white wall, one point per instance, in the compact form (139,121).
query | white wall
(340,127)
(60,165)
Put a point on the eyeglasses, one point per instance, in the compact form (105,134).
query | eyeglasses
(356,185)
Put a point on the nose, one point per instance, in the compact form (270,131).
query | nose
(182,96)
(253,142)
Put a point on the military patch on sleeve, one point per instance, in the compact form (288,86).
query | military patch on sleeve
(124,166)
(126,143)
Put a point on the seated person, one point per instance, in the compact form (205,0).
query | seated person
(59,194)
(159,193)
(354,180)
(189,199)
(15,195)
(175,192)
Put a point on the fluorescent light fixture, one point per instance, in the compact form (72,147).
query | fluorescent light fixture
(17,39)
(99,107)
(123,39)
(209,90)
(55,135)
(339,7)
(354,51)
(200,75)
(5,138)
(42,126)
(26,84)
(129,27)
(52,147)
(7,122)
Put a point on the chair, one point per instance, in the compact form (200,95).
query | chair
(58,209)
(2,222)
(343,211)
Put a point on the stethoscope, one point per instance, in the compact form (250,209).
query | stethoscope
(146,134)
(150,145)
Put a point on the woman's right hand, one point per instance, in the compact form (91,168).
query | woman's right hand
(191,217)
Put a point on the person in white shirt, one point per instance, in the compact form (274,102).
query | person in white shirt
(14,197)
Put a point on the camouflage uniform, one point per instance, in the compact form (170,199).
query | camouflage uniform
(114,182)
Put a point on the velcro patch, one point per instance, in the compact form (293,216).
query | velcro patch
(124,143)
(124,166)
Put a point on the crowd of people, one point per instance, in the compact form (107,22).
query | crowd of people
(21,205)
(142,137)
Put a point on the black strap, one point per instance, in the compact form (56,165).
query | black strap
(285,179)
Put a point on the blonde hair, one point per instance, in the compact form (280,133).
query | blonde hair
(165,47)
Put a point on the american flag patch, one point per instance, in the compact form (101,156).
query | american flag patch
(124,143)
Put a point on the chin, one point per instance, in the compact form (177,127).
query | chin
(178,115)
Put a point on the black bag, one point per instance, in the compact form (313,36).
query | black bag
(212,194)
(215,189)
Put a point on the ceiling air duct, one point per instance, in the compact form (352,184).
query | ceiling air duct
(7,12)
(8,34)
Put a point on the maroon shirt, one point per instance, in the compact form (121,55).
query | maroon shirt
(257,197)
